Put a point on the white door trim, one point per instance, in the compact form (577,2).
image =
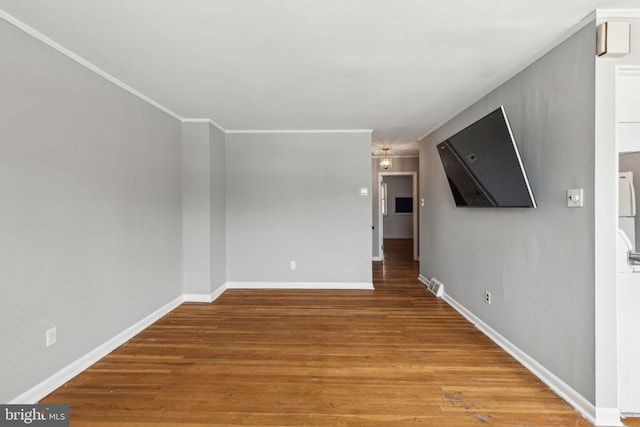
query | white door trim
(414,176)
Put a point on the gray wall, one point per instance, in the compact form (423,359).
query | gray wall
(196,204)
(537,263)
(296,196)
(400,164)
(218,228)
(91,210)
(204,220)
(397,226)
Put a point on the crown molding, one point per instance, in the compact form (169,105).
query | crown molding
(545,50)
(196,120)
(71,55)
(274,131)
(209,121)
(366,131)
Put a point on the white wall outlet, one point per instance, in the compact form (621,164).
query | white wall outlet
(52,336)
(487,297)
(293,265)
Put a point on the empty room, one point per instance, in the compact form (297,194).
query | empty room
(319,213)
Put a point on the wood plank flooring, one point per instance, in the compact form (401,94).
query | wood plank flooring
(393,356)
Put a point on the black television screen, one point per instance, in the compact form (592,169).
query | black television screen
(404,204)
(483,165)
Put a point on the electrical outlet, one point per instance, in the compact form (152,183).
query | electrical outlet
(487,297)
(293,265)
(52,336)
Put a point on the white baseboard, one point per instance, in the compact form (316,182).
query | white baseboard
(58,379)
(205,297)
(607,417)
(423,279)
(300,285)
(597,416)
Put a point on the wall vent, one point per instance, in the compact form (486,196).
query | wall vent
(435,287)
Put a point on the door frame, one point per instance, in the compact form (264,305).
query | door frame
(414,189)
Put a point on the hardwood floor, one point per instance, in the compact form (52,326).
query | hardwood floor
(393,356)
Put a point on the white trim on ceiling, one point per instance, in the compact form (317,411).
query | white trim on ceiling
(254,131)
(211,122)
(71,55)
(573,30)
(302,131)
(196,120)
(63,50)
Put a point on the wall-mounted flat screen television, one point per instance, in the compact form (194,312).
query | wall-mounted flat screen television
(483,165)
(404,204)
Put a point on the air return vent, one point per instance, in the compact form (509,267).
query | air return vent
(435,287)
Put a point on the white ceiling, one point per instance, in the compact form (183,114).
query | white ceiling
(398,67)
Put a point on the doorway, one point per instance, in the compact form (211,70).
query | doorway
(398,208)
(627,89)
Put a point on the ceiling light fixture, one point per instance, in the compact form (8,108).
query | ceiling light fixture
(385,163)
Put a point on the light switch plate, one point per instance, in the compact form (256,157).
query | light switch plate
(575,198)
